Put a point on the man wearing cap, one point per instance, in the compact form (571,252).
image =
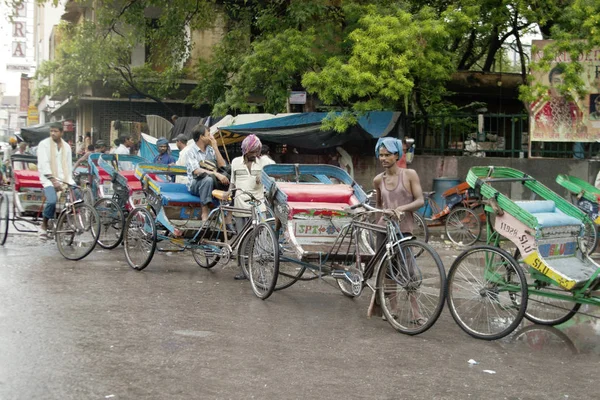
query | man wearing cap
(245,174)
(164,153)
(9,152)
(55,167)
(100,147)
(181,142)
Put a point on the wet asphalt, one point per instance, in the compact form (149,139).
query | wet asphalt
(96,329)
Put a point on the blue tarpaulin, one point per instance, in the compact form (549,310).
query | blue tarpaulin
(304,130)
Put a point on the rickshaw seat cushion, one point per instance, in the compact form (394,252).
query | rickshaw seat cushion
(103,175)
(308,207)
(547,214)
(176,193)
(547,220)
(320,193)
(27,179)
(537,206)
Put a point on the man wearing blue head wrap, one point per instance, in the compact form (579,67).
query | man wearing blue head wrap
(164,155)
(398,189)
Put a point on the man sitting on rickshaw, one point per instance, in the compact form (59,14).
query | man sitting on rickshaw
(203,160)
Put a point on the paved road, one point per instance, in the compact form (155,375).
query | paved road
(96,329)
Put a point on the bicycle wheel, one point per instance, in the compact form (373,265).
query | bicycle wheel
(111,223)
(463,226)
(290,271)
(263,265)
(205,256)
(77,231)
(411,290)
(420,229)
(541,308)
(4,216)
(590,236)
(87,196)
(487,292)
(139,238)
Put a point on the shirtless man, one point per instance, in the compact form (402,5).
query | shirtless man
(398,189)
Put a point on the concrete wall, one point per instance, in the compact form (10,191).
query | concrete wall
(430,167)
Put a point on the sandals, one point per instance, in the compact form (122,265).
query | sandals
(418,321)
(383,317)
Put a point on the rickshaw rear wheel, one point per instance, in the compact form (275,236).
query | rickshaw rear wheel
(263,265)
(590,235)
(411,287)
(205,258)
(139,238)
(420,229)
(487,292)
(4,217)
(77,231)
(111,223)
(463,226)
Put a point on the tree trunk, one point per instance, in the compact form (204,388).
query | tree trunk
(468,51)
(493,48)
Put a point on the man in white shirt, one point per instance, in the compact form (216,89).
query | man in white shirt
(200,179)
(124,146)
(181,141)
(245,174)
(55,167)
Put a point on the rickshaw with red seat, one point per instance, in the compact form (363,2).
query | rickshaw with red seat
(323,232)
(77,224)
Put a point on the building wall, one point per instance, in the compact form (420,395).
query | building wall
(103,112)
(430,167)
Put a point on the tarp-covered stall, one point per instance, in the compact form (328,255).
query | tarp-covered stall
(304,130)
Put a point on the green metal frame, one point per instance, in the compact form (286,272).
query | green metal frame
(479,179)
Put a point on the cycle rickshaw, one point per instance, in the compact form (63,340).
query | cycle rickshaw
(461,223)
(548,278)
(322,227)
(76,225)
(117,192)
(587,198)
(172,215)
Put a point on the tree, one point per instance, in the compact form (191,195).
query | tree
(100,49)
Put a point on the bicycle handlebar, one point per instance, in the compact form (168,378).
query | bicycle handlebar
(252,197)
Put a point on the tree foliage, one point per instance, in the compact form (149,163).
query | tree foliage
(353,55)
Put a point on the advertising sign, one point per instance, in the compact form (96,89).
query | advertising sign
(33,117)
(559,118)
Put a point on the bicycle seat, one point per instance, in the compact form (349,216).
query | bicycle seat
(428,194)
